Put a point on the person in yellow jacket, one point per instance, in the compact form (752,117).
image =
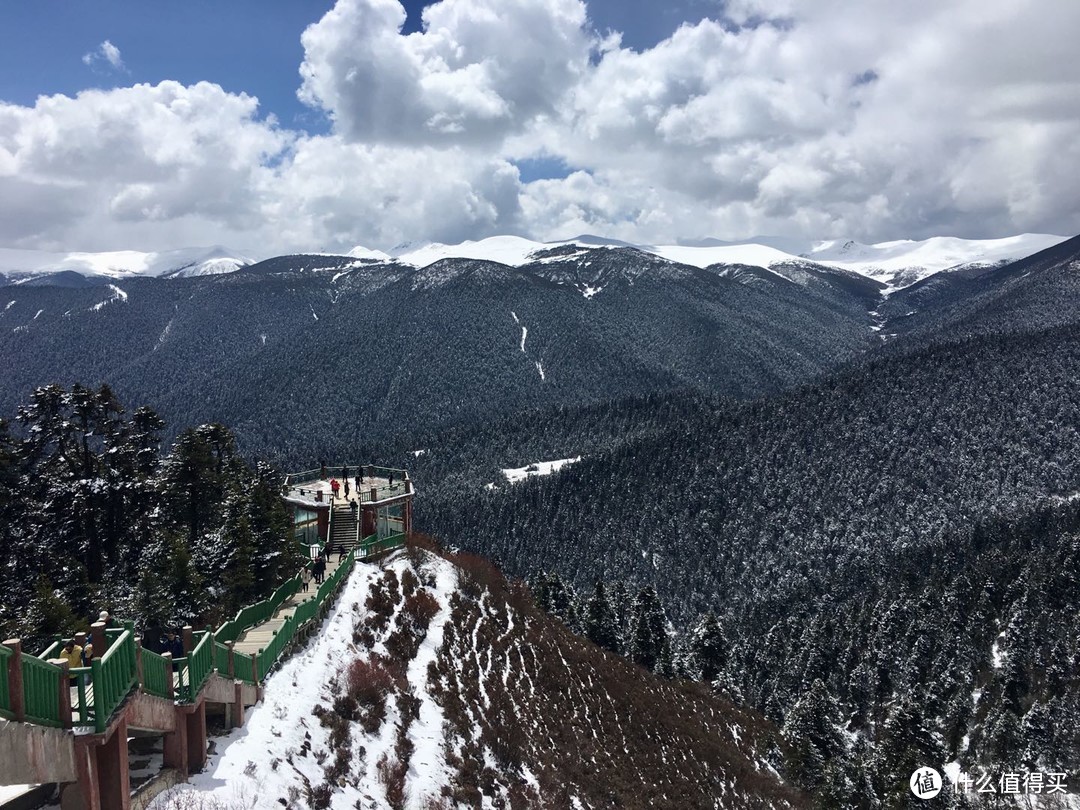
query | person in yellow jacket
(72,653)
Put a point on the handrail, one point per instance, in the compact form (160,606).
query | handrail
(200,663)
(114,674)
(41,691)
(156,671)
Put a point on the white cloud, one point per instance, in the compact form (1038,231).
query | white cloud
(105,52)
(873,120)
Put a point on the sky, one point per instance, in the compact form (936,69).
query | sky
(272,125)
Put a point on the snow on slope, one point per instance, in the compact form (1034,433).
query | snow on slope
(904,262)
(122,263)
(271,755)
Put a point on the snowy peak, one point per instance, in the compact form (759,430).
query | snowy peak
(904,262)
(895,264)
(24,265)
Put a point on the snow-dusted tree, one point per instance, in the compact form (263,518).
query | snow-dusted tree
(649,643)
(707,649)
(813,729)
(599,622)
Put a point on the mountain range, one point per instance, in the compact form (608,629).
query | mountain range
(896,264)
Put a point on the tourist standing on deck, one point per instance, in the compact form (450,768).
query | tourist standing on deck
(346,489)
(334,486)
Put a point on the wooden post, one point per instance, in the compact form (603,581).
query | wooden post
(15,679)
(238,705)
(138,661)
(255,668)
(170,685)
(187,637)
(374,494)
(80,639)
(97,638)
(232,659)
(65,690)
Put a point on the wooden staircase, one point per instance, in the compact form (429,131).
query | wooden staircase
(344,525)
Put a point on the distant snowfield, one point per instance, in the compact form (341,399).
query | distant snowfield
(539,468)
(197,261)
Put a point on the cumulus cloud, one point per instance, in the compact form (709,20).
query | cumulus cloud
(106,53)
(873,120)
(480,70)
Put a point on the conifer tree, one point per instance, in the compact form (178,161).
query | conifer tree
(650,646)
(599,622)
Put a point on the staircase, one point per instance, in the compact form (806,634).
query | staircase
(343,532)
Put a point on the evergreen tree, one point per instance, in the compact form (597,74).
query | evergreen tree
(813,729)
(599,622)
(707,649)
(650,646)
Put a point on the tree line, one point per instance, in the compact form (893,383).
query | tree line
(94,515)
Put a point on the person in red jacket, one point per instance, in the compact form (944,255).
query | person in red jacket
(334,486)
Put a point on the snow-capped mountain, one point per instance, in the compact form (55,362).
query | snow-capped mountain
(896,264)
(28,265)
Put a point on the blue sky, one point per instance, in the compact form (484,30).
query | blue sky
(850,119)
(250,46)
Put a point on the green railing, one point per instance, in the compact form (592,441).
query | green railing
(84,699)
(305,611)
(372,546)
(243,667)
(258,613)
(156,674)
(41,691)
(200,663)
(114,674)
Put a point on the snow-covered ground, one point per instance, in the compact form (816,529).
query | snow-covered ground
(282,746)
(515,474)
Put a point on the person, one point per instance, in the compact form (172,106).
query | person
(345,471)
(72,653)
(318,569)
(354,506)
(174,646)
(322,468)
(359,478)
(341,552)
(345,488)
(104,617)
(334,486)
(87,654)
(391,481)
(305,577)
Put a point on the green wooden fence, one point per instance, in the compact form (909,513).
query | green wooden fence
(156,674)
(41,691)
(114,675)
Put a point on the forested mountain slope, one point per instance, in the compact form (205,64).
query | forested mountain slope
(308,355)
(885,530)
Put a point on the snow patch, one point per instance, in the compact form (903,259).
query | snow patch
(516,474)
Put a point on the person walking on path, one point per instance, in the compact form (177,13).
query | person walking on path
(305,578)
(318,569)
(334,487)
(359,478)
(322,468)
(345,471)
(174,646)
(346,488)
